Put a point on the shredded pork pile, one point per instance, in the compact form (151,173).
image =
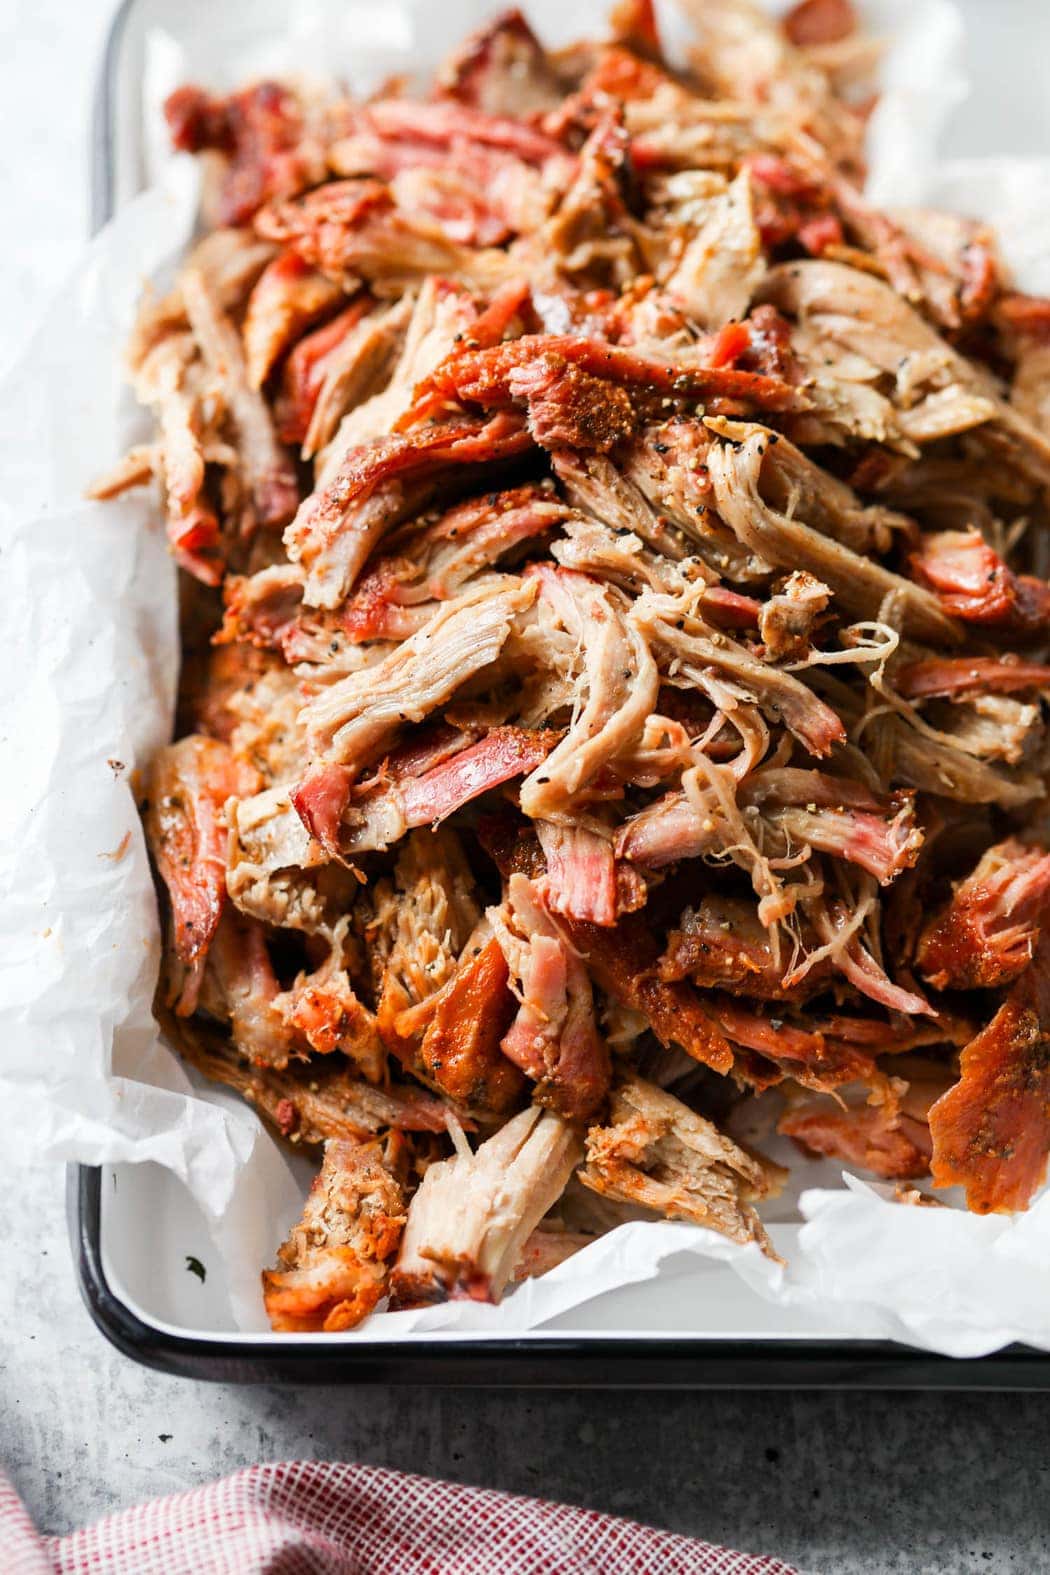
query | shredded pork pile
(615,614)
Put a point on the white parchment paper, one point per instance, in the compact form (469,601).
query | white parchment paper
(86,694)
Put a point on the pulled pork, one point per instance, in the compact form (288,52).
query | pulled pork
(473,1214)
(616,632)
(659,1153)
(335,1263)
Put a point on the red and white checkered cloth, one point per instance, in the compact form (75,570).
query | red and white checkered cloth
(313,1518)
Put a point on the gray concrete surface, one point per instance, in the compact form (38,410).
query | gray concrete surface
(843,1484)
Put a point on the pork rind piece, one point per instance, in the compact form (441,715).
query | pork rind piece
(659,1153)
(335,1263)
(472,1215)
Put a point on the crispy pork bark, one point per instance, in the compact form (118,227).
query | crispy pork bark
(583,397)
(323,1006)
(421,925)
(335,1263)
(624,962)
(720,945)
(461,1049)
(262,136)
(986,935)
(991,1131)
(972,582)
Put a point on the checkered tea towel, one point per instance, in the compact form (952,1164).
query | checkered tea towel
(310,1517)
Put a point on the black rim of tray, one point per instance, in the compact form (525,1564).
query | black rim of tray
(549,1361)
